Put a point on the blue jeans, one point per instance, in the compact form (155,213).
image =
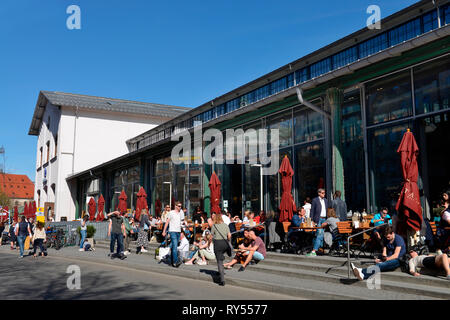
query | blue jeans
(83,237)
(174,241)
(119,238)
(318,240)
(390,265)
(21,240)
(192,253)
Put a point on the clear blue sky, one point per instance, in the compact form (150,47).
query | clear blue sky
(172,52)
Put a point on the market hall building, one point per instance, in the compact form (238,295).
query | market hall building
(341,131)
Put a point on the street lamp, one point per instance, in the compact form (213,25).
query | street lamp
(261,183)
(170,192)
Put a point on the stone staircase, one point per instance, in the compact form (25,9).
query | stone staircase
(321,277)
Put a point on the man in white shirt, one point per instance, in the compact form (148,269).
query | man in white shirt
(225,218)
(318,214)
(307,207)
(173,222)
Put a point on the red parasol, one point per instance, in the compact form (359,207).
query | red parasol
(141,202)
(123,202)
(101,206)
(16,214)
(214,187)
(26,210)
(92,208)
(33,210)
(408,205)
(287,205)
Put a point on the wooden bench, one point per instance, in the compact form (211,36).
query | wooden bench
(433,227)
(345,227)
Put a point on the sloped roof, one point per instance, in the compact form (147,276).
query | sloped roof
(166,112)
(16,186)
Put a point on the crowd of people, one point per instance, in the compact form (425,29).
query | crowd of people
(25,234)
(203,239)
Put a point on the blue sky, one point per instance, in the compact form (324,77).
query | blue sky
(172,52)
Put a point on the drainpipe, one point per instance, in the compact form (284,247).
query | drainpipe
(74,140)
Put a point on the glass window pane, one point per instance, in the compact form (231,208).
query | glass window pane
(274,188)
(302,75)
(430,21)
(310,170)
(345,57)
(431,86)
(308,126)
(353,152)
(445,15)
(373,45)
(404,32)
(389,98)
(282,122)
(320,67)
(384,164)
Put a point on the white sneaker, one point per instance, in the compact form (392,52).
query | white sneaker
(126,253)
(201,262)
(81,249)
(357,272)
(143,250)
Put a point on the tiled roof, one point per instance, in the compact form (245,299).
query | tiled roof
(16,186)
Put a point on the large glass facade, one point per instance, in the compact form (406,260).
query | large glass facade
(127,179)
(310,167)
(308,126)
(389,98)
(353,152)
(432,86)
(384,164)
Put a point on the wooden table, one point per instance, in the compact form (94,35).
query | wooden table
(307,229)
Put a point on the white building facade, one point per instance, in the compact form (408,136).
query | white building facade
(77,132)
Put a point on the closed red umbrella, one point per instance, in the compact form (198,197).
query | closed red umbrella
(141,202)
(33,210)
(408,205)
(214,187)
(92,208)
(16,214)
(287,205)
(26,210)
(101,207)
(123,202)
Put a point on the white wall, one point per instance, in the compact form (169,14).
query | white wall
(85,139)
(47,134)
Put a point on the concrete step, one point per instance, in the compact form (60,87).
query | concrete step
(342,271)
(254,279)
(392,283)
(332,270)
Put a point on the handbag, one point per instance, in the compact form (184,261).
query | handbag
(230,246)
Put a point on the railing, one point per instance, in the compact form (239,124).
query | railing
(354,235)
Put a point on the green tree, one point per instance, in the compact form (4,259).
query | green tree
(4,200)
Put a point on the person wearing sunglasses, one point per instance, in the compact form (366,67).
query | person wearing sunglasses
(174,221)
(318,214)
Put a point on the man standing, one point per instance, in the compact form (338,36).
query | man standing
(173,222)
(319,208)
(339,206)
(116,230)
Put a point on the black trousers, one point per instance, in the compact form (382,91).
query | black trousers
(40,243)
(220,247)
